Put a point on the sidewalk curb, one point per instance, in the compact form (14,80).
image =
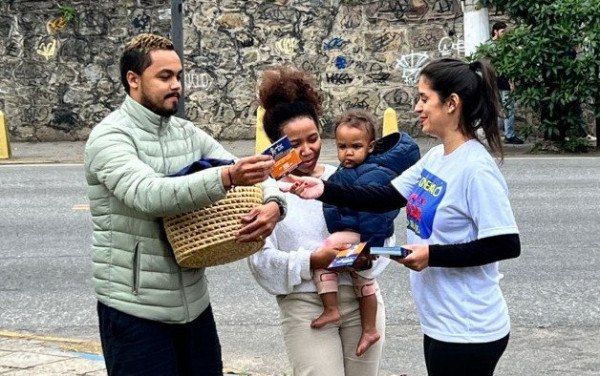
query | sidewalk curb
(66,344)
(80,348)
(40,161)
(72,152)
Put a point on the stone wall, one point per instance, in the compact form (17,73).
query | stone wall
(59,76)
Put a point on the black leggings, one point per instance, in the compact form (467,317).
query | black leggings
(462,359)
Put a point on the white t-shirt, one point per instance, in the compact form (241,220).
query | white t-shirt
(283,265)
(458,198)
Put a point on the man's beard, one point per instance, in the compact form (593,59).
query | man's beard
(161,111)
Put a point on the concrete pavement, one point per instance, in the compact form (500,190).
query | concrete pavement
(32,354)
(25,354)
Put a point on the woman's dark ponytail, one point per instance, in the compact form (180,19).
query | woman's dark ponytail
(475,84)
(489,104)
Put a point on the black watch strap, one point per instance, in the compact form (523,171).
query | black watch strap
(280,203)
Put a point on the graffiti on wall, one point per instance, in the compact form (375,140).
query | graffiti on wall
(443,6)
(55,25)
(198,80)
(397,11)
(338,78)
(351,20)
(341,62)
(47,49)
(448,46)
(411,66)
(335,43)
(286,47)
(366,55)
(141,22)
(398,98)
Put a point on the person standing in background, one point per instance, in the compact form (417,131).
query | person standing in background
(505,88)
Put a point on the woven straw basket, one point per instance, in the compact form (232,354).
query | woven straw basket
(206,237)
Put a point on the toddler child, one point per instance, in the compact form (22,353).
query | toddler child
(363,160)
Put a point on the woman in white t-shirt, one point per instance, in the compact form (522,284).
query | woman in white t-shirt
(460,222)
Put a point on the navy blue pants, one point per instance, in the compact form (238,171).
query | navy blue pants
(462,359)
(134,346)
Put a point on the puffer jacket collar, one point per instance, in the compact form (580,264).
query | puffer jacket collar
(144,118)
(396,151)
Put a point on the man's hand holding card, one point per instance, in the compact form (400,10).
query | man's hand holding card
(285,156)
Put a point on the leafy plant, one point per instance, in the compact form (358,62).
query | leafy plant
(575,145)
(68,13)
(552,56)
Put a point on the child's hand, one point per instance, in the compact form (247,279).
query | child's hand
(322,257)
(305,187)
(363,262)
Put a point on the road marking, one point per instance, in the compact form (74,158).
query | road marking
(81,207)
(90,350)
(543,157)
(68,344)
(14,164)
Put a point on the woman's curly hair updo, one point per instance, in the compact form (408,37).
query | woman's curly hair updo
(287,93)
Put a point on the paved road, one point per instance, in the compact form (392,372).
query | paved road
(552,289)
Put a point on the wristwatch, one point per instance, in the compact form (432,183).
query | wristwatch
(281,203)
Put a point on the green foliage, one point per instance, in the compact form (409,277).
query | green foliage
(552,54)
(68,13)
(575,145)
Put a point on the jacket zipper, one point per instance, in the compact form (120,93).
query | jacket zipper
(161,130)
(136,269)
(184,296)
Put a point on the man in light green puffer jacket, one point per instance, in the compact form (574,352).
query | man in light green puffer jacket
(154,316)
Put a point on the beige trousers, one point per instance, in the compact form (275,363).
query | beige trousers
(329,351)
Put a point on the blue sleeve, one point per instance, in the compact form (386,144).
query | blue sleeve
(376,227)
(339,218)
(412,154)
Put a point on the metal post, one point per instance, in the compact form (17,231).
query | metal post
(177,38)
(597,111)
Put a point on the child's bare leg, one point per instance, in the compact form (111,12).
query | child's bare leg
(368,318)
(331,311)
(326,282)
(365,290)
(342,237)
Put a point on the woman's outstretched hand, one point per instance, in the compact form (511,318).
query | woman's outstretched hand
(418,259)
(305,187)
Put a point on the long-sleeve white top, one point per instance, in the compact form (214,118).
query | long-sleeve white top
(283,265)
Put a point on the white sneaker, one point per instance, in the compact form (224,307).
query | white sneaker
(591,140)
